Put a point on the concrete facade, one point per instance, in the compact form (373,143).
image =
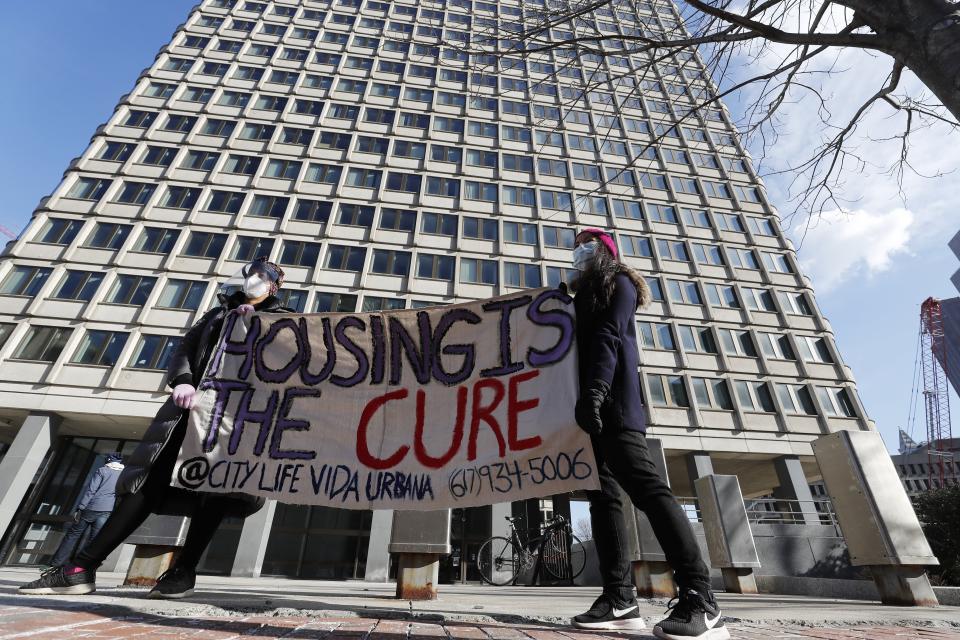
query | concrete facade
(341,140)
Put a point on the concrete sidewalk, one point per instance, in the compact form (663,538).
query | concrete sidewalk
(239,606)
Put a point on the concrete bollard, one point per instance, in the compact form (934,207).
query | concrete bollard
(149,562)
(875,515)
(653,579)
(417,576)
(420,538)
(727,529)
(157,540)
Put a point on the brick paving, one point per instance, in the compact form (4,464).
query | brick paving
(34,623)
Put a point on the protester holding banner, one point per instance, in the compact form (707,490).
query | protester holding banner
(144,485)
(610,410)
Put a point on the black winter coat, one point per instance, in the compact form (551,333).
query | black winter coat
(607,350)
(187,366)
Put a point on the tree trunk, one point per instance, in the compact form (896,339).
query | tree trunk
(924,35)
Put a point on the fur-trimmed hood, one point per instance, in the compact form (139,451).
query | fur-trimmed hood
(644,296)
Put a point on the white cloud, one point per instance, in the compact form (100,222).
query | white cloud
(848,245)
(887,222)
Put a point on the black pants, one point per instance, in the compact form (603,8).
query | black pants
(134,508)
(623,461)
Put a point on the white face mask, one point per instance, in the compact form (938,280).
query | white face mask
(584,254)
(255,287)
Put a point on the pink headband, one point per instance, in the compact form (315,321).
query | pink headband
(605,238)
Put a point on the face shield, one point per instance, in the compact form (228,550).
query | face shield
(254,280)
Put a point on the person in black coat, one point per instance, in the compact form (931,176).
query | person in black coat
(144,485)
(607,296)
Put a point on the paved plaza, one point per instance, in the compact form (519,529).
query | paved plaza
(278,608)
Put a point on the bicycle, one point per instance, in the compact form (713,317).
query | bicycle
(502,560)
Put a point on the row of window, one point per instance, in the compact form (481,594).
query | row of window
(135,290)
(575,100)
(682,80)
(299,41)
(630,11)
(689,84)
(104,348)
(546,141)
(920,468)
(157,155)
(162,240)
(753,396)
(603,19)
(564,82)
(110,235)
(925,484)
(733,342)
(414,184)
(611,9)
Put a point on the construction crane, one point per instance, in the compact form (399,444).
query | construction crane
(936,392)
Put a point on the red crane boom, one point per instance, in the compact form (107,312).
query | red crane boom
(936,392)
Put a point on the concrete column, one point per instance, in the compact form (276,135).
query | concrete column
(727,529)
(875,515)
(652,576)
(378,553)
(498,519)
(561,506)
(699,465)
(499,526)
(22,461)
(794,486)
(252,548)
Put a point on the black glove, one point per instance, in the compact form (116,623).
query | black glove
(587,411)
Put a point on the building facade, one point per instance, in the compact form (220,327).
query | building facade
(919,467)
(359,145)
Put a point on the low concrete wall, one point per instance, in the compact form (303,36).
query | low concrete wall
(823,587)
(948,595)
(806,551)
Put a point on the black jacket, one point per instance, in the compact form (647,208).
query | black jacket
(607,350)
(187,366)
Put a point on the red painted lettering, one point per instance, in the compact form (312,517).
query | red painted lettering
(515,406)
(420,448)
(363,450)
(480,412)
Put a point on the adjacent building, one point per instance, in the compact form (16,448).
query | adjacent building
(358,144)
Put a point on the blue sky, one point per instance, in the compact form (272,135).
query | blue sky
(872,269)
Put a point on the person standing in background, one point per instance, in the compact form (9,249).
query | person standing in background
(95,506)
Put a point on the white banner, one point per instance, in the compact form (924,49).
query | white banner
(453,406)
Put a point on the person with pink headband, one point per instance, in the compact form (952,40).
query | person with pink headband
(607,296)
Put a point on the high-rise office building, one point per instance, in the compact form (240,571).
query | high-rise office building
(359,145)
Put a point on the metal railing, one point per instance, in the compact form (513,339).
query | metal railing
(783,511)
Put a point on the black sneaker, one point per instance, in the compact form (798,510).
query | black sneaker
(175,583)
(692,617)
(607,613)
(65,580)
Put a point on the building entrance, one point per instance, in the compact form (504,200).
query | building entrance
(318,543)
(468,530)
(35,534)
